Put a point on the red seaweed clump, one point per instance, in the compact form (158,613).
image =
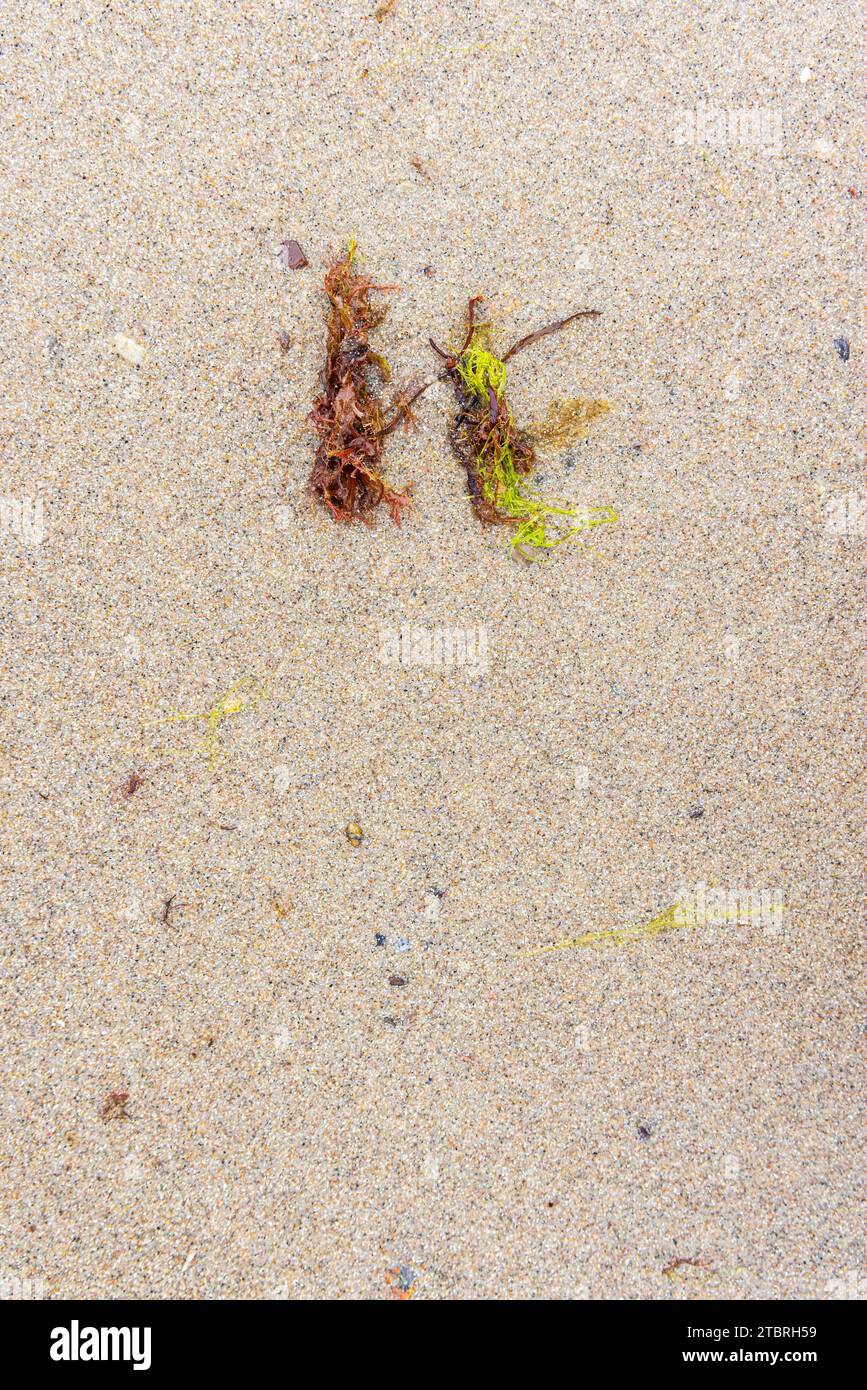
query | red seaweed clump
(348,415)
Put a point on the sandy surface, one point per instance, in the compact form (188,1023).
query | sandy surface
(503,1124)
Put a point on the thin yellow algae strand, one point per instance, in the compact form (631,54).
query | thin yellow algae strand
(678,917)
(243,695)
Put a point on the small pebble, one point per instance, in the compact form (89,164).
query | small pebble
(379,939)
(128,349)
(842,346)
(354,833)
(643,1132)
(696,813)
(291,256)
(401,943)
(396,980)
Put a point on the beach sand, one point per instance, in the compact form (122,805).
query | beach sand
(654,1115)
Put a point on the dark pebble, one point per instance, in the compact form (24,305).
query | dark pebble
(842,346)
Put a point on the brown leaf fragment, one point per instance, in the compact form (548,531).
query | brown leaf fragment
(114,1106)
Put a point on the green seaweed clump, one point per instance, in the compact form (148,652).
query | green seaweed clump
(498,456)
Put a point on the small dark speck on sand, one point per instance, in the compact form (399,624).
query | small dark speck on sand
(842,346)
(54,351)
(284,340)
(696,813)
(396,980)
(379,938)
(643,1132)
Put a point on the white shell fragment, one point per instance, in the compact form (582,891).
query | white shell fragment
(128,349)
